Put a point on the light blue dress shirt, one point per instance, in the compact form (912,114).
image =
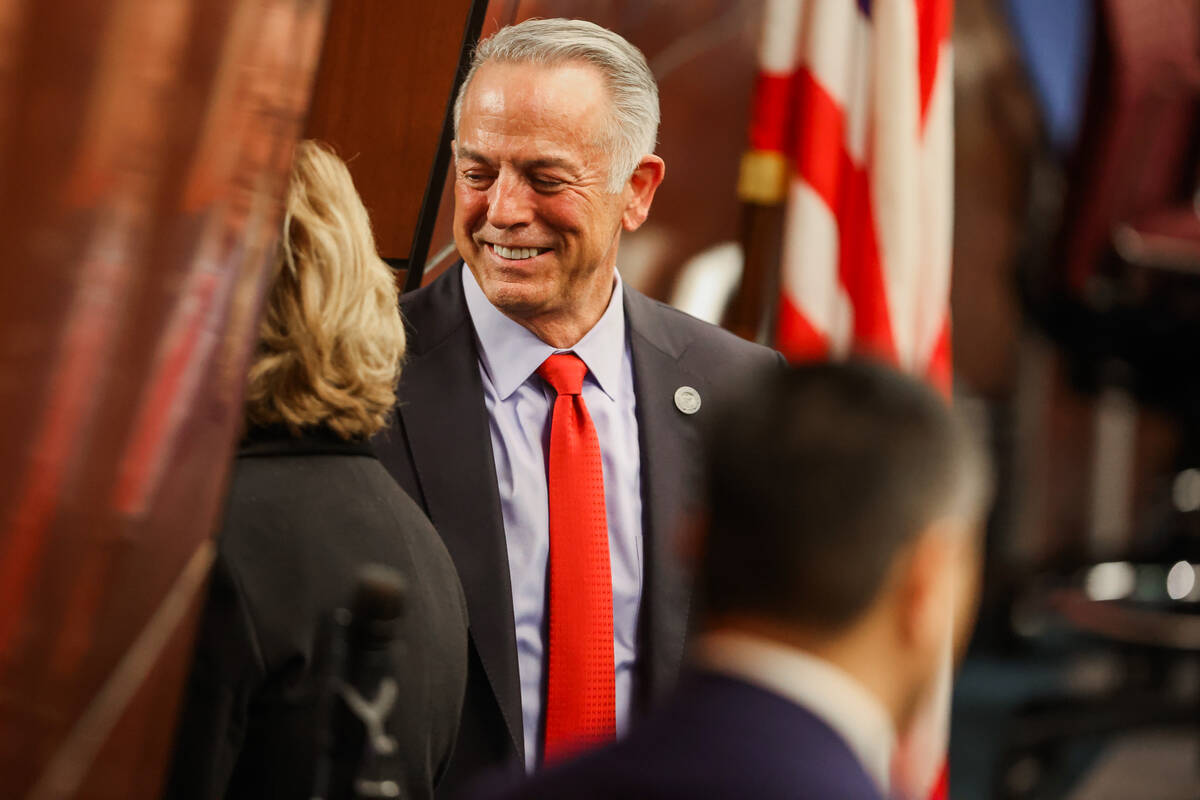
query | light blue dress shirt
(519,404)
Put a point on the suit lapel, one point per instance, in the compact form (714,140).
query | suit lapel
(446,425)
(670,453)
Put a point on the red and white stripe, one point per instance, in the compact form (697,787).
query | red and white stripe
(861,104)
(858,96)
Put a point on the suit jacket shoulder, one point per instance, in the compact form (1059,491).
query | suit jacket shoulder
(717,358)
(689,337)
(721,739)
(433,312)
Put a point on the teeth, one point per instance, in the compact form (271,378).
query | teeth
(515,253)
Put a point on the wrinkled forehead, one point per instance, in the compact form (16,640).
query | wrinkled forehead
(555,103)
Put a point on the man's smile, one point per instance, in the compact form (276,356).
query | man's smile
(516,253)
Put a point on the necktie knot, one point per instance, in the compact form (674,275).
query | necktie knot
(565,372)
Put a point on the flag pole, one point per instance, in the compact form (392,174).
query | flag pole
(762,189)
(764,175)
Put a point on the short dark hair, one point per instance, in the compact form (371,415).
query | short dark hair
(816,479)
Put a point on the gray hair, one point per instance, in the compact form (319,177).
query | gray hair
(633,93)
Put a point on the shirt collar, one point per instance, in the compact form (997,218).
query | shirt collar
(827,691)
(511,353)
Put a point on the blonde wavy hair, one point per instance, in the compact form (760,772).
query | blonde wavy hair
(331,341)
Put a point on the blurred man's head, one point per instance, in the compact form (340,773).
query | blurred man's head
(555,127)
(844,516)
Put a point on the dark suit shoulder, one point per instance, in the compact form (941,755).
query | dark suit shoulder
(433,312)
(417,302)
(673,329)
(720,739)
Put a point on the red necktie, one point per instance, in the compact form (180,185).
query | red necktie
(580,693)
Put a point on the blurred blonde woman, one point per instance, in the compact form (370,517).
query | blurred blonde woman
(308,506)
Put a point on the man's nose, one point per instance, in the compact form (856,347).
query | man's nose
(509,202)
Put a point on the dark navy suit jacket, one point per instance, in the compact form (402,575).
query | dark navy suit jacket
(719,738)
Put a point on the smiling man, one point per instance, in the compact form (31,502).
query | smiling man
(547,416)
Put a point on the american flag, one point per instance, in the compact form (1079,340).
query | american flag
(856,95)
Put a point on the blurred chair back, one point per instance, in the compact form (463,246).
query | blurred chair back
(1120,290)
(1136,159)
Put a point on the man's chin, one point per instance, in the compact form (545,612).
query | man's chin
(514,299)
(517,295)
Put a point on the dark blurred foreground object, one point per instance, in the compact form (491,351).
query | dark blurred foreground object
(142,147)
(357,757)
(1117,289)
(309,506)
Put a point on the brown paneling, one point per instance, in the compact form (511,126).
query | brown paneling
(379,99)
(142,150)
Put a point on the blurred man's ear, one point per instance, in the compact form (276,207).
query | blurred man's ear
(939,588)
(642,185)
(969,572)
(925,592)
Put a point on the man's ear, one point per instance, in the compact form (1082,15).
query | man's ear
(643,183)
(926,590)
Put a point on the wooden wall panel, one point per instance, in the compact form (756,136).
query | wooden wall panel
(379,99)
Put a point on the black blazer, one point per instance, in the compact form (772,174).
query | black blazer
(719,738)
(440,451)
(303,515)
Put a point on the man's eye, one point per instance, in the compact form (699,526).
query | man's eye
(475,177)
(547,183)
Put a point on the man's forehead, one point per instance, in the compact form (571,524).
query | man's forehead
(570,90)
(534,115)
